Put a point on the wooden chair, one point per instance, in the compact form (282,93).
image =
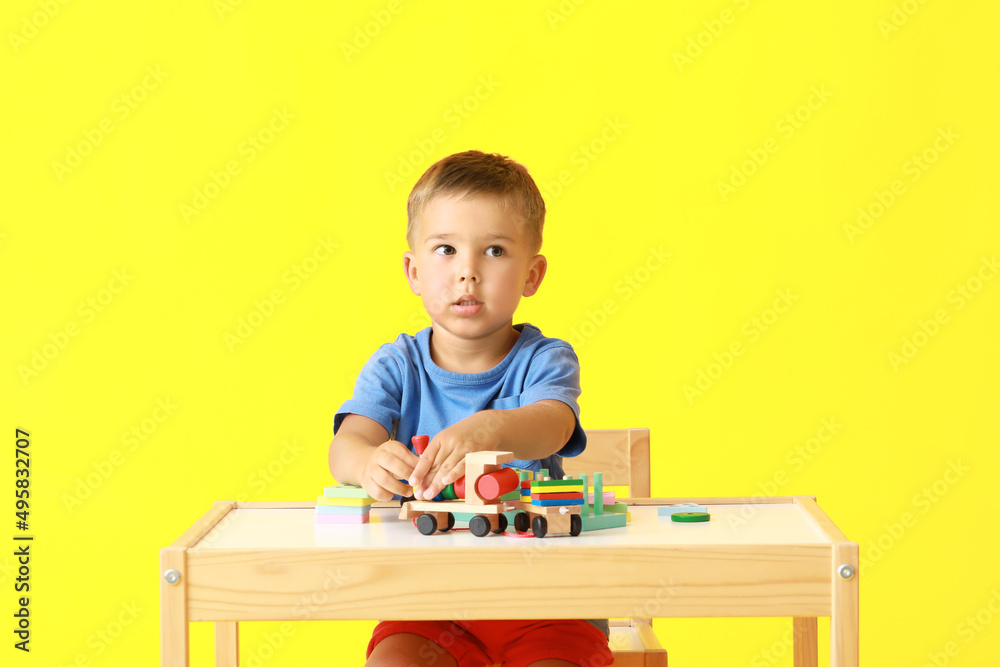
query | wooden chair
(623,456)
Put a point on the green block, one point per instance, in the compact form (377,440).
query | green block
(513,495)
(603,521)
(598,493)
(557,482)
(587,508)
(617,508)
(345,491)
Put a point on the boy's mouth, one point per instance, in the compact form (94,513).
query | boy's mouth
(467,305)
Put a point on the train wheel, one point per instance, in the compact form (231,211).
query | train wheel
(575,525)
(427,524)
(479,525)
(521,523)
(501,523)
(539,526)
(451,523)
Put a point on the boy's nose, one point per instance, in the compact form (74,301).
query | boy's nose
(468,273)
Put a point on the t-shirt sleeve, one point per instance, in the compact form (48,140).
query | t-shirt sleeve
(554,373)
(377,392)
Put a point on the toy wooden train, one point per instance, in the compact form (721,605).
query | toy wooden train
(544,506)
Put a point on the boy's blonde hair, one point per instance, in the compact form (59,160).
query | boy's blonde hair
(474,173)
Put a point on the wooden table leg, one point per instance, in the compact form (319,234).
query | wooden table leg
(227,644)
(173,609)
(844,641)
(805,644)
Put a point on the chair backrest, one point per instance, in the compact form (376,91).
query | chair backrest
(621,454)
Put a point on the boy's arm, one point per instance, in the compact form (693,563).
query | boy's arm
(362,454)
(531,432)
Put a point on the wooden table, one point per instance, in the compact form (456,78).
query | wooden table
(260,561)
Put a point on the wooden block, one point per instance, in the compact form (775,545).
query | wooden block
(415,508)
(553,511)
(557,524)
(489,458)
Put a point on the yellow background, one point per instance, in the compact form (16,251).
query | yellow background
(641,110)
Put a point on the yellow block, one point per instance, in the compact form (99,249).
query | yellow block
(344,502)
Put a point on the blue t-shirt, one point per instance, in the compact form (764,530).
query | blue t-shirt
(408,394)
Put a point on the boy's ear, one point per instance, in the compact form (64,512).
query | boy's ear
(536,271)
(410,269)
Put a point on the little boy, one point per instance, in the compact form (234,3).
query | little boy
(473,381)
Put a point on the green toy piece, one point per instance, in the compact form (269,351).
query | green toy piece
(596,516)
(345,491)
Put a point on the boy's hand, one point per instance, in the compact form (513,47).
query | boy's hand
(390,462)
(443,462)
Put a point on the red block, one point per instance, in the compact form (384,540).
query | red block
(492,485)
(556,496)
(420,443)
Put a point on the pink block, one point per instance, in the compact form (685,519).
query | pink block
(342,518)
(609,497)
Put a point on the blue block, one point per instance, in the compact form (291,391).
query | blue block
(556,503)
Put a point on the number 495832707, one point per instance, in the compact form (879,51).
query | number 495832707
(22,462)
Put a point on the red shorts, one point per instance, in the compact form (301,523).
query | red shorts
(513,643)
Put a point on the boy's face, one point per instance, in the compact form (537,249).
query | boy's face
(471,264)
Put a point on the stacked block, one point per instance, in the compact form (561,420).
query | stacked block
(343,504)
(555,492)
(526,476)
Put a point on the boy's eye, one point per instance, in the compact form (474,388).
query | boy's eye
(444,250)
(495,251)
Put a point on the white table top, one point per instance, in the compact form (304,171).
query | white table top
(257,528)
